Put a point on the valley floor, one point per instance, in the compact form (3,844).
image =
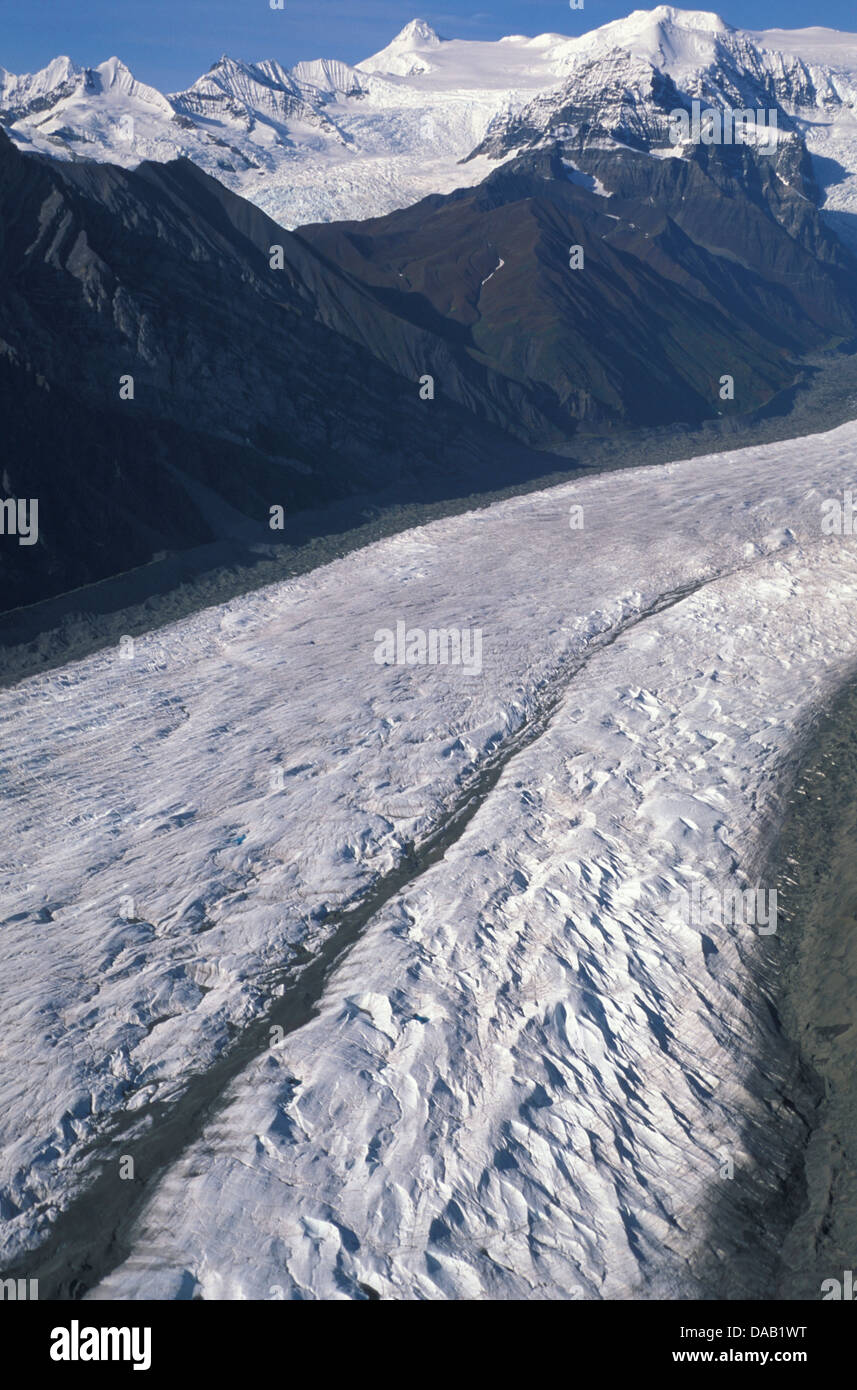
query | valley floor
(531,1072)
(170,587)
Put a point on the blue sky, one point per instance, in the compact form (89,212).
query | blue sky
(171,42)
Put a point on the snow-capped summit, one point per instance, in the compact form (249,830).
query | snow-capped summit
(59,70)
(325,140)
(328,75)
(661,33)
(37,90)
(258,99)
(418,32)
(78,112)
(705,21)
(404,57)
(114,73)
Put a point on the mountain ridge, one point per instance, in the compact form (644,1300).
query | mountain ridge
(326,140)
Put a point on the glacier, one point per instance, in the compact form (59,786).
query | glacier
(523,1077)
(325,140)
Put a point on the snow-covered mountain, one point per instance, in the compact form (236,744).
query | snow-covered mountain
(325,140)
(322,140)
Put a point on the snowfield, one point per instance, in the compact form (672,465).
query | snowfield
(523,1077)
(325,141)
(320,142)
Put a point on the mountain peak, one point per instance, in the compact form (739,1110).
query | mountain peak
(404,56)
(706,21)
(663,35)
(419,31)
(113,70)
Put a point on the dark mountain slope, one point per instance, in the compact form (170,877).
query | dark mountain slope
(244,397)
(693,268)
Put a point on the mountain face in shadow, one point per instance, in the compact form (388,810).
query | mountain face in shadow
(691,268)
(300,386)
(248,389)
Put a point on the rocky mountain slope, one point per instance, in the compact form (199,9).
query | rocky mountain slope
(689,270)
(247,393)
